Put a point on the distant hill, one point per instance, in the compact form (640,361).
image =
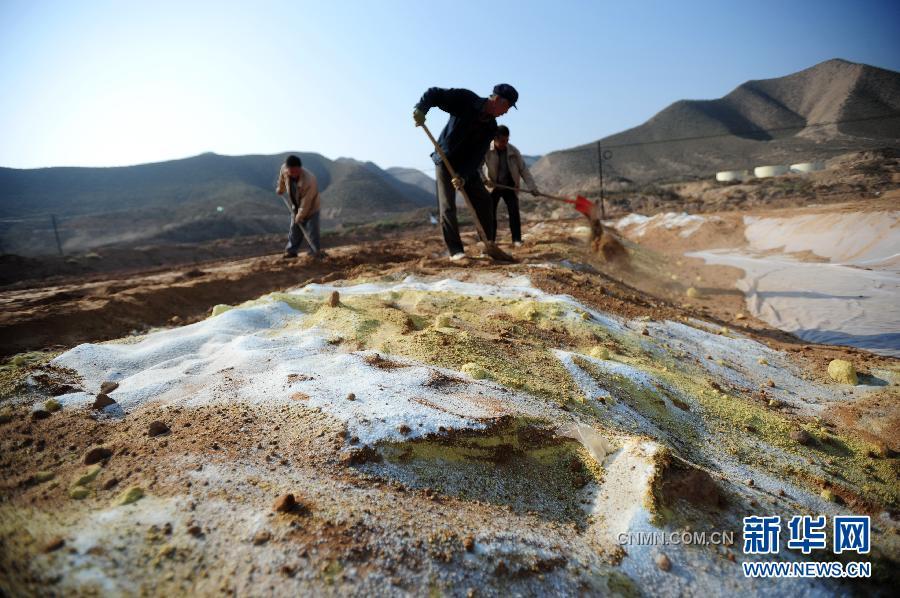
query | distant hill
(530,160)
(415,177)
(361,190)
(772,121)
(192,200)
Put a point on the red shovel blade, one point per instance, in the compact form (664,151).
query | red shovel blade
(584,205)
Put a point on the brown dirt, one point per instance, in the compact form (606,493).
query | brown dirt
(875,418)
(283,439)
(385,364)
(389,533)
(393,536)
(679,481)
(607,246)
(70,311)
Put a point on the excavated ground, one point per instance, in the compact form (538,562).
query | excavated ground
(446,428)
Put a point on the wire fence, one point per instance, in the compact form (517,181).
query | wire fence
(616,167)
(607,151)
(88,235)
(32,235)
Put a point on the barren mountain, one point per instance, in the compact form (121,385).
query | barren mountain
(832,108)
(530,160)
(413,176)
(192,200)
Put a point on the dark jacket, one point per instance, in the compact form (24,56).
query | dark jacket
(468,134)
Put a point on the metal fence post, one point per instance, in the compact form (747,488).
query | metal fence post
(600,163)
(56,234)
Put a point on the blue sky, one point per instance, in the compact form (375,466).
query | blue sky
(94,83)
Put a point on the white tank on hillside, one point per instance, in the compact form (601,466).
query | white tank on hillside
(804,167)
(763,172)
(730,176)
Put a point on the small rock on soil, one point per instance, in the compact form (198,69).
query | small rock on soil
(801,436)
(157,428)
(107,387)
(663,562)
(102,402)
(97,454)
(285,503)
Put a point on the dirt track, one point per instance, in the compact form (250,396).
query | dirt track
(71,312)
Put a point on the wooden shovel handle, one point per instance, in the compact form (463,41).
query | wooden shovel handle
(520,190)
(481,234)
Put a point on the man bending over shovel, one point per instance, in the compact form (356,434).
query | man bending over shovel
(303,201)
(460,149)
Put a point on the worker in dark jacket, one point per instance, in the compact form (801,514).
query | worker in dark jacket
(465,139)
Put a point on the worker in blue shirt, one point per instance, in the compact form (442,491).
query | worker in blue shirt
(465,139)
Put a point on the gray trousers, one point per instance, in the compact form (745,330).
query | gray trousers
(296,238)
(481,201)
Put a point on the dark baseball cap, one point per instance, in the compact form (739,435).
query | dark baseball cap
(507,92)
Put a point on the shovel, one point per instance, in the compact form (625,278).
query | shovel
(582,204)
(287,202)
(490,248)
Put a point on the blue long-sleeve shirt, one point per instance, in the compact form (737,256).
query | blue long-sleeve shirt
(468,134)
